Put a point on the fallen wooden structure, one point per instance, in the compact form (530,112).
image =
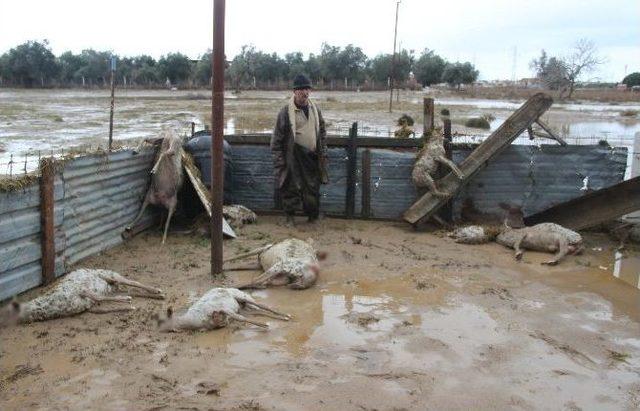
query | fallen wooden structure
(203,194)
(594,208)
(516,124)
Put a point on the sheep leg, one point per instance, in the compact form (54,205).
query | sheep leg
(517,246)
(433,188)
(254,311)
(263,279)
(172,208)
(157,164)
(132,283)
(451,165)
(145,204)
(241,318)
(99,310)
(100,298)
(248,267)
(563,250)
(287,317)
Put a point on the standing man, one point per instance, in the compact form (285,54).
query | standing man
(299,150)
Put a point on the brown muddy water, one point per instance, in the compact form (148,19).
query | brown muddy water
(399,320)
(33,121)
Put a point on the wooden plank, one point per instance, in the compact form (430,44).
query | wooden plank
(515,125)
(366,184)
(201,190)
(551,135)
(47,172)
(447,210)
(594,208)
(352,169)
(332,141)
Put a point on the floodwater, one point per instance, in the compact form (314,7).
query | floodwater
(36,122)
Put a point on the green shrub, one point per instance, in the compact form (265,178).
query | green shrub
(405,120)
(477,122)
(629,113)
(489,117)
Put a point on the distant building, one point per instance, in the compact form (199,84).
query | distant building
(532,82)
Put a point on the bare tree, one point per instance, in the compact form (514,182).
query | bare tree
(562,73)
(583,59)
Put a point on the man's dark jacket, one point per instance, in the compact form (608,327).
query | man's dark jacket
(282,142)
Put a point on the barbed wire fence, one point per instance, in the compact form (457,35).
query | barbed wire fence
(16,165)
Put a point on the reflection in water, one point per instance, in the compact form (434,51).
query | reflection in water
(627,269)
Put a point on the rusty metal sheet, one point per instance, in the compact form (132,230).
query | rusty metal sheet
(594,208)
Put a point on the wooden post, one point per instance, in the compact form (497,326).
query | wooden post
(47,171)
(447,210)
(366,184)
(193,128)
(428,107)
(352,165)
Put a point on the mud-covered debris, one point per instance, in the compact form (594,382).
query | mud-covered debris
(424,285)
(24,370)
(501,293)
(361,319)
(208,388)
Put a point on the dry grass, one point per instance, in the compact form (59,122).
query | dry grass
(11,184)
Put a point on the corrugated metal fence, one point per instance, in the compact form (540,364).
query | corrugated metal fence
(535,177)
(96,196)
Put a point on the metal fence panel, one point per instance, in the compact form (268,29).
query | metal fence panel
(102,195)
(20,244)
(535,177)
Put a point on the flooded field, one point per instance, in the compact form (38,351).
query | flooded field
(397,321)
(33,121)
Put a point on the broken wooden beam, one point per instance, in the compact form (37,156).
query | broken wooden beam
(500,139)
(594,208)
(550,133)
(203,194)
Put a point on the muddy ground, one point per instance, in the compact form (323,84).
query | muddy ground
(399,320)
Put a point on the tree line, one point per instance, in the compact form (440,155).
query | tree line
(32,64)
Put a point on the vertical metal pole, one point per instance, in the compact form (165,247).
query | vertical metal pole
(46,220)
(393,60)
(217,119)
(113,70)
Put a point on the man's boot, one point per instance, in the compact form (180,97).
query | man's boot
(290,222)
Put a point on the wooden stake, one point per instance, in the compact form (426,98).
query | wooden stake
(47,172)
(352,166)
(366,184)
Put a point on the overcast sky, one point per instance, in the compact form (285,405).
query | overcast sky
(488,33)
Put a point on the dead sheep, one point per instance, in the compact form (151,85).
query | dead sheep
(166,178)
(544,237)
(290,262)
(426,166)
(79,291)
(216,309)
